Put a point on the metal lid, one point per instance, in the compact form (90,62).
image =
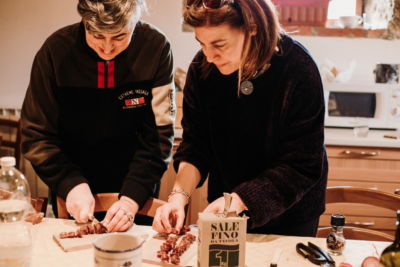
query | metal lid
(337,220)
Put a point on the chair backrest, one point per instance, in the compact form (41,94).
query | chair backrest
(349,194)
(357,233)
(103,202)
(12,128)
(40,204)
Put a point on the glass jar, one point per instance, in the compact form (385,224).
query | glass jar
(335,240)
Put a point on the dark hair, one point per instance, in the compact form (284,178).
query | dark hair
(109,15)
(258,20)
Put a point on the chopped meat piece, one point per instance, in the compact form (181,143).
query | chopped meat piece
(34,217)
(87,229)
(183,230)
(175,259)
(69,235)
(175,250)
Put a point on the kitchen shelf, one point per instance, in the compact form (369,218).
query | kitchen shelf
(334,32)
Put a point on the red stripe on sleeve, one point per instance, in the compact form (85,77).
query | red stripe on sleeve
(110,77)
(100,75)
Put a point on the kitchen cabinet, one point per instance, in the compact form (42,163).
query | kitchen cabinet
(367,167)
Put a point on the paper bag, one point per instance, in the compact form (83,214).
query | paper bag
(222,240)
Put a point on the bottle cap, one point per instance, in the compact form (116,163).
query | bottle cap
(337,220)
(7,161)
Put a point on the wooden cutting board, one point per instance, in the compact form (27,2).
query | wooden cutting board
(86,241)
(73,244)
(150,247)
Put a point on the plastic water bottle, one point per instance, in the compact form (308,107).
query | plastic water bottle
(15,236)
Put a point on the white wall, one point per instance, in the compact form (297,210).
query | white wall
(25,24)
(166,15)
(365,52)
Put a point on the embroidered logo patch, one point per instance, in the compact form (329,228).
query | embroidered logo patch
(134,102)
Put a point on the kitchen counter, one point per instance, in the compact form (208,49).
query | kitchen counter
(345,137)
(375,138)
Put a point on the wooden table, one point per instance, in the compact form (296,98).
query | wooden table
(259,249)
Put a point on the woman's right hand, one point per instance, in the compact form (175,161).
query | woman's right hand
(80,203)
(170,215)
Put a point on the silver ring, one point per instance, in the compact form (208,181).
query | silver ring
(129,217)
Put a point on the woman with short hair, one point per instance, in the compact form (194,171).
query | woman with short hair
(98,113)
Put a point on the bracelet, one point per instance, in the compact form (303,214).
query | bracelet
(179,191)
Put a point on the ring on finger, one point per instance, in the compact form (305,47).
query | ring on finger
(129,217)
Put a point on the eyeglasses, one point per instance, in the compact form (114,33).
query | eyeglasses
(211,4)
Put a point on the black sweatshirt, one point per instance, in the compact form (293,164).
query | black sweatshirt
(268,146)
(106,123)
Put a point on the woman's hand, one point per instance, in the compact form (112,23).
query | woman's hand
(217,206)
(80,203)
(120,215)
(170,215)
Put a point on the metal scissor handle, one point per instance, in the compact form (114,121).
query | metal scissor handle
(314,254)
(322,252)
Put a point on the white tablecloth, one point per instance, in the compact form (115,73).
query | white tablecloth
(259,248)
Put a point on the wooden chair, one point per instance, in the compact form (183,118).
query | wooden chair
(40,204)
(348,194)
(103,202)
(357,233)
(13,128)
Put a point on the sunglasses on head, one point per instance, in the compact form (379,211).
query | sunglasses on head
(212,4)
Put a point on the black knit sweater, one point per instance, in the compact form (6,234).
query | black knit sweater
(268,146)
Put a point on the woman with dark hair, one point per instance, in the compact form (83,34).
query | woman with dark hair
(253,121)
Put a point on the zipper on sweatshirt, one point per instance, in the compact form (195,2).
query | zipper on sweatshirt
(105,74)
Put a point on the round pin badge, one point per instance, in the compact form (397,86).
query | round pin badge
(246,87)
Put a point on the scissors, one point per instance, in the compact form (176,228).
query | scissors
(315,254)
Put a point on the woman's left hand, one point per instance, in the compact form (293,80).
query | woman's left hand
(120,215)
(217,206)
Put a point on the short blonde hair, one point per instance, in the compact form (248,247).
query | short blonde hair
(109,15)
